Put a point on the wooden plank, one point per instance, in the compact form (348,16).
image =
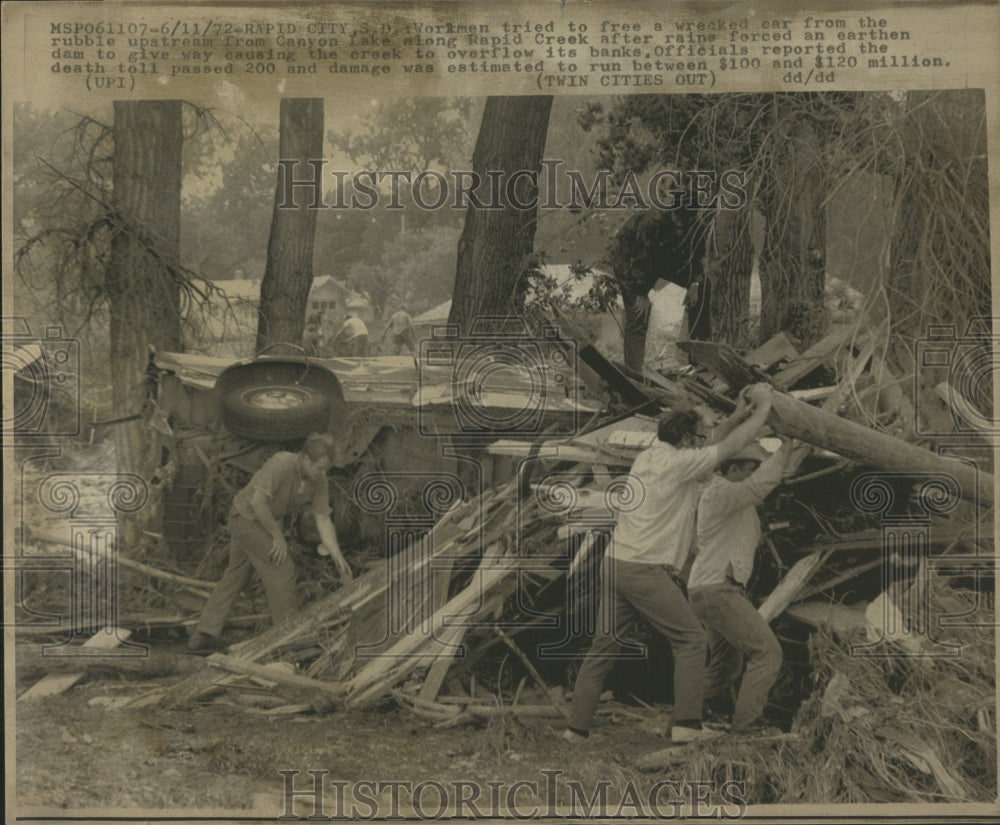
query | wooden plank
(818,354)
(54,684)
(50,537)
(438,671)
(772,351)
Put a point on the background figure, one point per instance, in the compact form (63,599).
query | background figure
(728,535)
(697,308)
(312,338)
(351,339)
(400,327)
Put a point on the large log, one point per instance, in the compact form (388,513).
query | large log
(820,428)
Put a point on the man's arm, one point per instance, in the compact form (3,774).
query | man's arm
(261,506)
(750,492)
(327,532)
(730,423)
(760,396)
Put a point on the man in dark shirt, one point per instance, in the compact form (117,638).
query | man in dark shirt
(286,482)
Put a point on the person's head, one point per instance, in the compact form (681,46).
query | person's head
(318,454)
(682,428)
(742,465)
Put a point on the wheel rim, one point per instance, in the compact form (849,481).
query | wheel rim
(276,398)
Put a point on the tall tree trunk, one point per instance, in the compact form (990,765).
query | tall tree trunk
(284,292)
(793,261)
(495,245)
(729,262)
(142,273)
(637,307)
(939,273)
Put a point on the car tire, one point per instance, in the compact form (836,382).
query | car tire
(275,411)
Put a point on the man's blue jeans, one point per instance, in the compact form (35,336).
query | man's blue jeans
(737,632)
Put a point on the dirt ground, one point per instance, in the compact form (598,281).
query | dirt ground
(78,753)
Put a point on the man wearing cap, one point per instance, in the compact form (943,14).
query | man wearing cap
(650,547)
(727,537)
(285,483)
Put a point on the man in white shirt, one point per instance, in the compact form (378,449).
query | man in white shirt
(728,534)
(352,337)
(651,544)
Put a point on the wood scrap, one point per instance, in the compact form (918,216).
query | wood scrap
(200,585)
(819,354)
(54,684)
(773,350)
(342,605)
(275,673)
(835,616)
(531,669)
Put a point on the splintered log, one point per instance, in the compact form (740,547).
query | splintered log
(56,683)
(52,537)
(376,678)
(790,586)
(820,428)
(275,673)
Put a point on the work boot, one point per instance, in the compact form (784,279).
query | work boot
(573,737)
(202,644)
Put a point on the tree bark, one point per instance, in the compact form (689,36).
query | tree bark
(495,244)
(729,261)
(284,292)
(797,419)
(142,276)
(793,260)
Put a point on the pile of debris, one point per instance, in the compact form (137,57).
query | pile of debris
(870,535)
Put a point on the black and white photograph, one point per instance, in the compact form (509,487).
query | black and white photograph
(545,413)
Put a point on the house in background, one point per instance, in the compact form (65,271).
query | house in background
(335,299)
